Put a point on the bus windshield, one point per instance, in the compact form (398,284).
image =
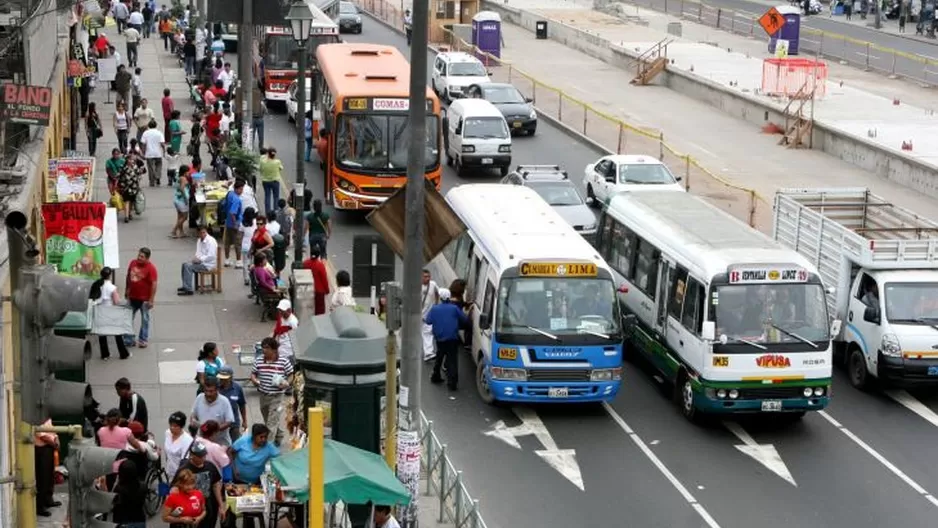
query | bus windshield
(557,307)
(282,51)
(379,142)
(771,313)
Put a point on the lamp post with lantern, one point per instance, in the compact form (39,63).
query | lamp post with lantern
(301,22)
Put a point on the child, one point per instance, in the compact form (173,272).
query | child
(172,166)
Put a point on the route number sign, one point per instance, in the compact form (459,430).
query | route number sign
(772,21)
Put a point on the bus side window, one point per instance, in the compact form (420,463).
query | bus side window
(479,288)
(473,277)
(605,240)
(646,268)
(678,292)
(449,252)
(463,255)
(622,249)
(693,306)
(489,300)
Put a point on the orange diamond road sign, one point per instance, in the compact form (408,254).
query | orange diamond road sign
(772,21)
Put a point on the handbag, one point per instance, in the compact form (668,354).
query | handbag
(112,319)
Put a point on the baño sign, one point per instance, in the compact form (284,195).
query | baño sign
(23,103)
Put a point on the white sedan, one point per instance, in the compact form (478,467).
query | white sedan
(619,172)
(292,102)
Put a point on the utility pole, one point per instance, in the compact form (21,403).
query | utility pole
(392,314)
(878,24)
(246,73)
(412,355)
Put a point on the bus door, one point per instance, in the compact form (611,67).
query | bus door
(660,325)
(475,295)
(482,338)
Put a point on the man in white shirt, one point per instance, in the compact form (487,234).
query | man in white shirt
(154,147)
(205,259)
(132,36)
(429,295)
(226,119)
(200,35)
(121,13)
(226,77)
(384,518)
(135,20)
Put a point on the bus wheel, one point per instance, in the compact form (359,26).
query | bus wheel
(684,396)
(856,369)
(482,384)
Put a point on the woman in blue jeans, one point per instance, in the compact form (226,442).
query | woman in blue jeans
(270,169)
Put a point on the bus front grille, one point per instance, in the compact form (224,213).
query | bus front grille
(566,375)
(380,191)
(771,393)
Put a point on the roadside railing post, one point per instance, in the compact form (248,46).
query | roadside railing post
(867,56)
(533,91)
(475,514)
(509,73)
(428,434)
(682,8)
(894,58)
(458,487)
(719,16)
(442,489)
(560,108)
(752,208)
(661,146)
(699,12)
(621,137)
(687,172)
(586,112)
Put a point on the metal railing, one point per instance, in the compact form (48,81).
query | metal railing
(445,484)
(856,52)
(605,130)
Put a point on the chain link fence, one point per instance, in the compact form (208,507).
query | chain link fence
(606,131)
(858,53)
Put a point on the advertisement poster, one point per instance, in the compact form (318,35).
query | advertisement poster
(75,237)
(70,180)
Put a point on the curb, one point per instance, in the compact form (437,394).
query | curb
(563,127)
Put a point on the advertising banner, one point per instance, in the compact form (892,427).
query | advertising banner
(70,180)
(23,103)
(74,237)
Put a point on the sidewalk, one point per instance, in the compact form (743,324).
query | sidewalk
(163,372)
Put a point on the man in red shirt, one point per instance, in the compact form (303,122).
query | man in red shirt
(213,122)
(141,292)
(168,107)
(320,280)
(218,90)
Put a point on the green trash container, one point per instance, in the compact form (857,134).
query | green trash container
(280,252)
(75,325)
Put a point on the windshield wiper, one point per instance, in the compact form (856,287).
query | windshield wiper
(592,332)
(796,336)
(543,333)
(746,341)
(930,321)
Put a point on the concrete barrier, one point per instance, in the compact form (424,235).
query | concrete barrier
(893,165)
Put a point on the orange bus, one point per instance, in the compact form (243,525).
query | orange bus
(363,103)
(276,54)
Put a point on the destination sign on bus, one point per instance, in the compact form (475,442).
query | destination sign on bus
(381,104)
(558,269)
(760,275)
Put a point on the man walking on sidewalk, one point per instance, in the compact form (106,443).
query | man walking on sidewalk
(430,295)
(168,106)
(258,111)
(132,36)
(121,14)
(143,114)
(154,145)
(136,87)
(272,375)
(408,25)
(141,292)
(122,84)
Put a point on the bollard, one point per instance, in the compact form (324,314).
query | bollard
(475,514)
(586,112)
(752,208)
(619,140)
(867,56)
(687,172)
(661,146)
(893,63)
(719,16)
(560,108)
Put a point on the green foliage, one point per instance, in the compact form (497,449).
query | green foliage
(244,163)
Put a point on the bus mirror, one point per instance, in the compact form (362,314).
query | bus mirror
(709,330)
(484,322)
(623,288)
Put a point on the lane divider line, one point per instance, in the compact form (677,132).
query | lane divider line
(881,459)
(688,497)
(911,403)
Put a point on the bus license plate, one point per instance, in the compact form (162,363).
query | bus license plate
(557,392)
(486,161)
(933,371)
(772,405)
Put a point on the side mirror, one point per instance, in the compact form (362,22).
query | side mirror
(528,100)
(871,315)
(623,288)
(485,321)
(708,331)
(589,201)
(835,328)
(458,130)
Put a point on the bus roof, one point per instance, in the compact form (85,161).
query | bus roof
(512,223)
(363,70)
(706,238)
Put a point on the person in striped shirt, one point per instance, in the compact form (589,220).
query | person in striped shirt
(272,375)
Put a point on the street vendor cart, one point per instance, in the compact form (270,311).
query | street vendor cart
(207,196)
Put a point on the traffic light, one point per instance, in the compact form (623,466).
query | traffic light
(42,298)
(85,463)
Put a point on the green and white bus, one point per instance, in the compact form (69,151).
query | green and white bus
(732,320)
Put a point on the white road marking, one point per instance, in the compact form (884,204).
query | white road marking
(562,460)
(765,454)
(911,403)
(688,497)
(881,459)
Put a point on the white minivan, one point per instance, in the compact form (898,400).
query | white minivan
(477,136)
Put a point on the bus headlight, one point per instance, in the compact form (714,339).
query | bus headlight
(721,393)
(508,374)
(504,148)
(348,186)
(468,149)
(734,394)
(613,374)
(819,391)
(808,391)
(890,346)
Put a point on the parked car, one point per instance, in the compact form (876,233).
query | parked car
(350,18)
(454,72)
(554,186)
(620,172)
(293,103)
(518,110)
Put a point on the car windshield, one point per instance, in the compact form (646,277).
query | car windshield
(467,69)
(283,52)
(645,173)
(557,192)
(485,128)
(379,143)
(557,307)
(912,302)
(503,95)
(348,9)
(770,313)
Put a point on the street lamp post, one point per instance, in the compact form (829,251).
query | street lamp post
(301,22)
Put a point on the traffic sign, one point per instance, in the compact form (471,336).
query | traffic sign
(772,21)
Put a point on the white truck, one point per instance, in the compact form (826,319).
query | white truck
(882,263)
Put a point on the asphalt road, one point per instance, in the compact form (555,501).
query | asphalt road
(867,462)
(739,16)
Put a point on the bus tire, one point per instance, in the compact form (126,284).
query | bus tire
(684,398)
(482,384)
(856,369)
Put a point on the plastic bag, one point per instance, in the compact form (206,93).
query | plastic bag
(117,201)
(140,204)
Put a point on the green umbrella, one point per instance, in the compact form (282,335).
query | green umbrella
(352,475)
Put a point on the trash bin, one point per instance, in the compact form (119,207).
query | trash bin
(540,29)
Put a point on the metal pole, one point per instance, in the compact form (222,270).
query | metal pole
(411,376)
(390,406)
(246,74)
(878,24)
(300,183)
(317,490)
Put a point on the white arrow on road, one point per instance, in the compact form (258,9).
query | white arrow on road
(562,460)
(911,403)
(765,454)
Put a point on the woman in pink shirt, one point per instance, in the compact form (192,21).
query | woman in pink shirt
(217,454)
(113,435)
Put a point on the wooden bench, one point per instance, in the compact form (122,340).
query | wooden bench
(210,281)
